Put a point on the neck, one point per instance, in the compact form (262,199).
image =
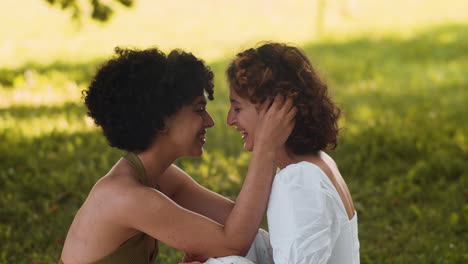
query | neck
(156,160)
(284,158)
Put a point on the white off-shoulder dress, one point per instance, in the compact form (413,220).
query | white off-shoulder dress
(307,220)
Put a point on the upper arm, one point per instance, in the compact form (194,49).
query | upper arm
(186,192)
(153,213)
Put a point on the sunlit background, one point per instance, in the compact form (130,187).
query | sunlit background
(398,69)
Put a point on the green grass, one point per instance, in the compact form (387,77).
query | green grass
(403,90)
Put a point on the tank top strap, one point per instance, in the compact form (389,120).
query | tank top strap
(138,166)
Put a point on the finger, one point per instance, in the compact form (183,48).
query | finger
(293,104)
(264,107)
(287,105)
(276,104)
(280,100)
(291,118)
(267,104)
(292,113)
(292,122)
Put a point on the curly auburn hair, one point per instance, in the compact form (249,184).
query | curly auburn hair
(133,93)
(278,69)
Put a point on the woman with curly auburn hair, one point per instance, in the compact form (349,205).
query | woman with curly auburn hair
(311,217)
(153,107)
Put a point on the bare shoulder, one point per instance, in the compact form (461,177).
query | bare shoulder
(120,195)
(118,189)
(328,160)
(116,183)
(97,228)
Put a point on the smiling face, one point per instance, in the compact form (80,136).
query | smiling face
(243,114)
(186,129)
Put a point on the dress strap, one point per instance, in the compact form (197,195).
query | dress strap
(138,166)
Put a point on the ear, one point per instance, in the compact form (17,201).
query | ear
(162,131)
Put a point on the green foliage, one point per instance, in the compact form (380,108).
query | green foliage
(100,10)
(403,149)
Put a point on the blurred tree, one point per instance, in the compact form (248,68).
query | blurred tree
(319,17)
(100,11)
(346,8)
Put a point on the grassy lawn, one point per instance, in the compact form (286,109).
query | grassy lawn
(403,91)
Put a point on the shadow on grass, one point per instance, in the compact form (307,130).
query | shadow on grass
(77,72)
(26,112)
(363,58)
(438,44)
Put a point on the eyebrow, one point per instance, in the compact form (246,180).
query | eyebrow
(202,102)
(233,101)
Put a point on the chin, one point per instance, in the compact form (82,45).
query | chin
(194,153)
(198,153)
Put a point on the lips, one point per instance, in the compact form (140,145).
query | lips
(201,136)
(243,133)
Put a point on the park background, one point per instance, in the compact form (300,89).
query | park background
(398,69)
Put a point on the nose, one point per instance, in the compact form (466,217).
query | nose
(209,122)
(231,117)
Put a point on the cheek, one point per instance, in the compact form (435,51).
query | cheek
(183,133)
(252,122)
(178,136)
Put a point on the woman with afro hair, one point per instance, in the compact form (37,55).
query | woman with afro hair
(311,217)
(153,107)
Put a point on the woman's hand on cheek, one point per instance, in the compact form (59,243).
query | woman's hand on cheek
(275,122)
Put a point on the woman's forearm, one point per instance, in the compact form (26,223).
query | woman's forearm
(249,209)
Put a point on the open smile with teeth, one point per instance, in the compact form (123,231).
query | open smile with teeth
(201,136)
(243,133)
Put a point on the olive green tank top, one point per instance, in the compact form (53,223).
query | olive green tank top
(135,250)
